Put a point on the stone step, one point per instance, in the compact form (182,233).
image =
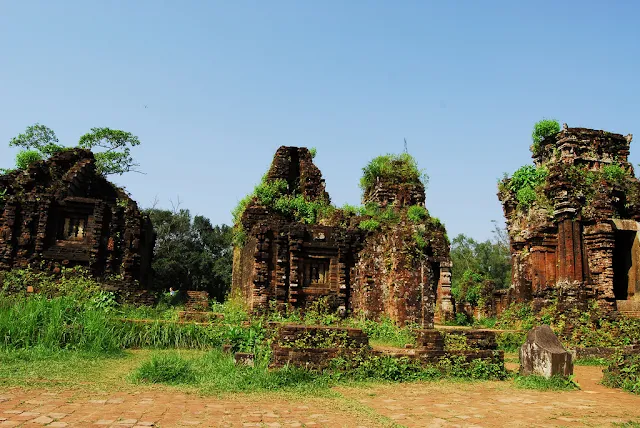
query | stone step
(630,314)
(628,305)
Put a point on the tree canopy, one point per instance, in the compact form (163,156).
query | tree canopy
(191,253)
(111,147)
(479,261)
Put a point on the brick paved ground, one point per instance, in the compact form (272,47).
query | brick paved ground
(440,404)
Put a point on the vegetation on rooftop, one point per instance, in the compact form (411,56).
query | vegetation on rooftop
(402,168)
(111,148)
(542,129)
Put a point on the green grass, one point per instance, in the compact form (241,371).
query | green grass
(554,383)
(591,361)
(168,368)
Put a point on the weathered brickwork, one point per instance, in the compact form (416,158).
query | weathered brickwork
(315,346)
(61,213)
(578,241)
(284,263)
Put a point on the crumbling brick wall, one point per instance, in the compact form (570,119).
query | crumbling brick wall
(61,213)
(563,245)
(285,263)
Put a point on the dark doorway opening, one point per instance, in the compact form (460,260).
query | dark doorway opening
(623,266)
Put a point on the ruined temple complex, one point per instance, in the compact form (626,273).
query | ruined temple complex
(573,223)
(399,268)
(60,212)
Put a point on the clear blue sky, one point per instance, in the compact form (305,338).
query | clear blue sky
(227,83)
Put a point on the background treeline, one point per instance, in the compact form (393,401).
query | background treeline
(477,265)
(191,253)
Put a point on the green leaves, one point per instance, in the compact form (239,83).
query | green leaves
(111,147)
(525,183)
(116,157)
(401,168)
(26,158)
(39,138)
(542,129)
(417,213)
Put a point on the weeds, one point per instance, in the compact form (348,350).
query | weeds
(171,369)
(554,383)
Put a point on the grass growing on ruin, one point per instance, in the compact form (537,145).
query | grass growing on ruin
(216,372)
(554,383)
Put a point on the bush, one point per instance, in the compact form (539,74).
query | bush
(369,225)
(26,158)
(623,372)
(401,168)
(417,213)
(385,331)
(525,184)
(614,173)
(170,369)
(554,383)
(541,130)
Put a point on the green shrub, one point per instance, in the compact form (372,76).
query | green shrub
(169,369)
(349,210)
(385,331)
(417,213)
(623,372)
(525,184)
(469,288)
(510,341)
(554,383)
(313,151)
(541,130)
(614,173)
(369,225)
(401,168)
(26,158)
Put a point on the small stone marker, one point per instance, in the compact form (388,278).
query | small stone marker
(543,354)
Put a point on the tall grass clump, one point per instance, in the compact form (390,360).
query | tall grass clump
(57,323)
(169,369)
(402,168)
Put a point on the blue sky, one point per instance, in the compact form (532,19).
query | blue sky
(227,83)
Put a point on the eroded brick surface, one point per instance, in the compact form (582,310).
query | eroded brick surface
(61,212)
(284,263)
(578,240)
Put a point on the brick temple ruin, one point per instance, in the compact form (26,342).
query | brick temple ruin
(60,212)
(578,241)
(284,263)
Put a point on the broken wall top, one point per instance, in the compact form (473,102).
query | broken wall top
(295,166)
(583,146)
(69,173)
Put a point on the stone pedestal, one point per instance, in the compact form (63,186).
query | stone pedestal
(543,354)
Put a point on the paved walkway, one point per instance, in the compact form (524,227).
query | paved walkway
(439,404)
(162,409)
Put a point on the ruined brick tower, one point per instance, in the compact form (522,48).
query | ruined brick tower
(573,222)
(297,248)
(61,212)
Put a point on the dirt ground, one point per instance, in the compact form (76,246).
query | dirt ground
(437,404)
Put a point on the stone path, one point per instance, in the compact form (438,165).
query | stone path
(439,404)
(161,409)
(495,404)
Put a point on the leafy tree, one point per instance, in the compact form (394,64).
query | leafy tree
(478,261)
(542,129)
(111,147)
(116,157)
(39,138)
(27,157)
(191,254)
